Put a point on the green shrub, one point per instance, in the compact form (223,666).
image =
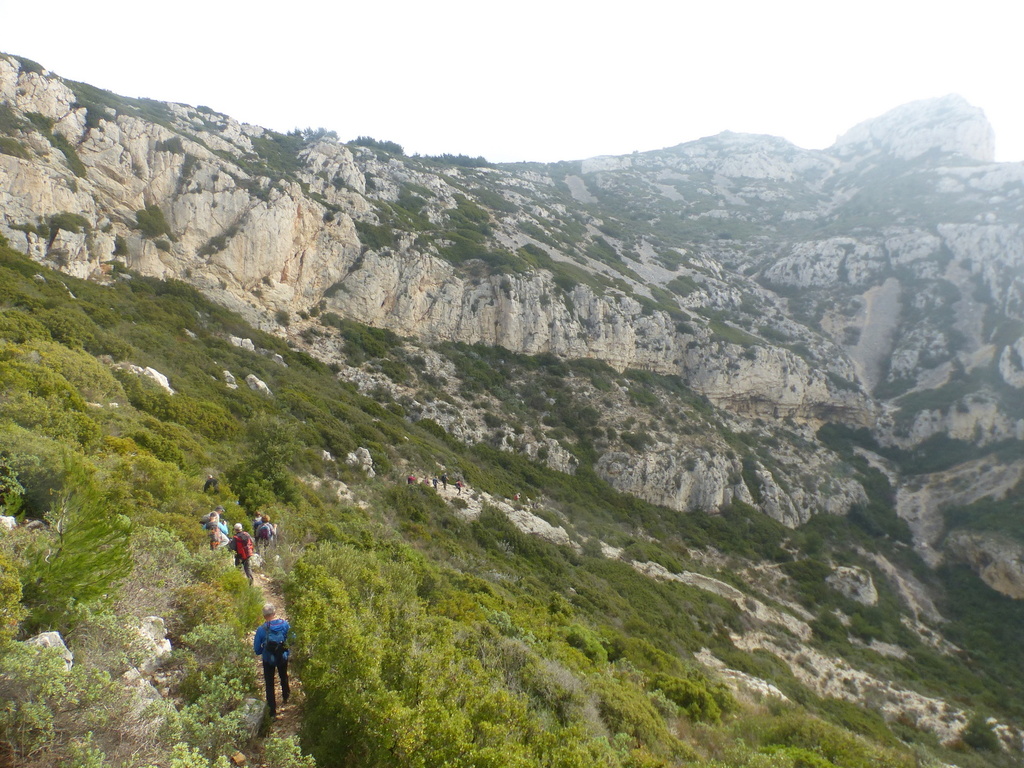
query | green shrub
(626,709)
(386,146)
(979,735)
(841,748)
(13,147)
(69,222)
(11,610)
(172,145)
(698,697)
(81,560)
(588,642)
(284,752)
(19,327)
(152,222)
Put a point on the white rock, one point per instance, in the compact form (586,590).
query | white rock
(855,583)
(362,459)
(258,385)
(149,373)
(252,716)
(154,633)
(53,640)
(948,124)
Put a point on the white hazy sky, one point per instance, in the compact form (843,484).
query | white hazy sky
(542,80)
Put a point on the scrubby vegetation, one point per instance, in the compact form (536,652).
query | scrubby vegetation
(425,638)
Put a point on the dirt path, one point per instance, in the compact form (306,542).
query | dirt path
(289,716)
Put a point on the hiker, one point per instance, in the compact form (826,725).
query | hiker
(211,484)
(411,480)
(243,546)
(257,521)
(444,480)
(265,533)
(458,485)
(435,483)
(216,531)
(270,643)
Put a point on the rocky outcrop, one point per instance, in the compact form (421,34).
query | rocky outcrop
(854,583)
(834,678)
(946,125)
(690,478)
(153,632)
(920,504)
(997,559)
(150,373)
(360,459)
(53,640)
(780,284)
(257,384)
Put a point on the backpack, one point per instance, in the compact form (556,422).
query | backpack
(265,532)
(217,537)
(243,545)
(277,630)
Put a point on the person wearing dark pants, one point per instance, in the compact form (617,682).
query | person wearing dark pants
(243,545)
(270,643)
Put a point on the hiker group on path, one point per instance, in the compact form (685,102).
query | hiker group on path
(271,637)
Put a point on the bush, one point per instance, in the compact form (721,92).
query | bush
(69,222)
(11,610)
(80,561)
(152,222)
(698,697)
(979,735)
(13,147)
(285,753)
(386,146)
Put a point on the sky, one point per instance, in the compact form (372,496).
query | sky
(542,80)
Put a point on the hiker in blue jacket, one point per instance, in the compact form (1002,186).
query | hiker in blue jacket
(270,643)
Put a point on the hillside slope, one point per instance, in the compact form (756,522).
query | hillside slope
(727,406)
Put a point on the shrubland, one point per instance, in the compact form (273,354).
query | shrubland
(423,637)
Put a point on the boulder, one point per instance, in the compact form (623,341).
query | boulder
(149,373)
(252,716)
(361,459)
(855,583)
(258,385)
(158,647)
(54,640)
(242,343)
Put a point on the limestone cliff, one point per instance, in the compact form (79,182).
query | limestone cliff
(877,284)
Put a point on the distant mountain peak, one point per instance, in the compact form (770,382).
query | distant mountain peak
(949,124)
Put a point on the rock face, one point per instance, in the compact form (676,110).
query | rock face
(998,560)
(948,125)
(854,583)
(878,284)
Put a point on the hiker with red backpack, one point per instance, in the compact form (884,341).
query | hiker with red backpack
(270,643)
(243,546)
